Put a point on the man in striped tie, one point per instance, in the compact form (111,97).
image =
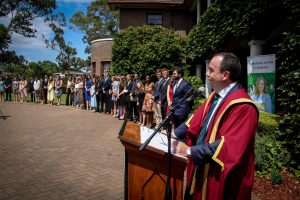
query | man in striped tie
(220,137)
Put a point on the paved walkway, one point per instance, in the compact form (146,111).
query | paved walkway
(59,153)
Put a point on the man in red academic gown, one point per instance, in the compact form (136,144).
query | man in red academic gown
(220,137)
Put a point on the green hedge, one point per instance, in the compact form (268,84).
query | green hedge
(270,154)
(145,49)
(268,124)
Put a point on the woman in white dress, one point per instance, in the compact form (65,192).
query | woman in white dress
(93,95)
(36,89)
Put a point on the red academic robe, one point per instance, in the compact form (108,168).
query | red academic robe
(230,173)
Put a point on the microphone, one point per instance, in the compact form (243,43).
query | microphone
(200,92)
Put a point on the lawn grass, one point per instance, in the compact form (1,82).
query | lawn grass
(62,100)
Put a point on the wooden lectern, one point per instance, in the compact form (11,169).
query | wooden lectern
(146,171)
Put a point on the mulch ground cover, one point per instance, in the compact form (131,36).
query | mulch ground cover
(289,189)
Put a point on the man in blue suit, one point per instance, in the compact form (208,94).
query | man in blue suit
(106,86)
(180,88)
(155,96)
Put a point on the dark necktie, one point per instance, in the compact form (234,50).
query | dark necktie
(203,129)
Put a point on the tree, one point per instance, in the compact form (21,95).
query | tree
(145,49)
(5,38)
(82,64)
(99,22)
(66,57)
(8,61)
(42,68)
(22,12)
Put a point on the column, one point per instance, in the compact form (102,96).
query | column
(198,11)
(256,47)
(207,85)
(208,3)
(198,70)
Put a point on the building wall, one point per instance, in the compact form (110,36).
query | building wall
(101,53)
(101,50)
(178,19)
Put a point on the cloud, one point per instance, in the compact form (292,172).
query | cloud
(19,41)
(35,48)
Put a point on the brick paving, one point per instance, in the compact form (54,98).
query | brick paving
(59,153)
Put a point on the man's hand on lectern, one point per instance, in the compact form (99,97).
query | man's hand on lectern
(180,148)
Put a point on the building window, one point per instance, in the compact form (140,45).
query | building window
(93,68)
(106,66)
(155,19)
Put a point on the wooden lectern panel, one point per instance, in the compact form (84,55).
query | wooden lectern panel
(146,171)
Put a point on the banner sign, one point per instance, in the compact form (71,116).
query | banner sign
(261,81)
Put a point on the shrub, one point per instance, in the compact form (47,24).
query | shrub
(276,177)
(145,49)
(270,154)
(195,81)
(268,124)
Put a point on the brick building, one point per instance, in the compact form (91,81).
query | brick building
(101,55)
(180,15)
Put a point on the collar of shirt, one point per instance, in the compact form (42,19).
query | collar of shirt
(178,83)
(222,94)
(225,90)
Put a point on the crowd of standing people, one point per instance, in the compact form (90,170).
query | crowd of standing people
(123,96)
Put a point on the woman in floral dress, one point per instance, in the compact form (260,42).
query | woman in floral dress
(148,103)
(23,89)
(15,88)
(58,89)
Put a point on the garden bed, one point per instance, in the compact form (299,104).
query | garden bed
(289,189)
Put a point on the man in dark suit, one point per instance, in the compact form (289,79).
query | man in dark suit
(8,88)
(45,88)
(162,99)
(180,88)
(155,96)
(106,86)
(98,90)
(133,97)
(31,89)
(128,107)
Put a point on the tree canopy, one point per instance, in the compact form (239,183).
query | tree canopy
(5,37)
(22,12)
(99,22)
(66,53)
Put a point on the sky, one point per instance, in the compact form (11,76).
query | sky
(34,49)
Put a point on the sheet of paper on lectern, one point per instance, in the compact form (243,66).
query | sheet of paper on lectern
(159,141)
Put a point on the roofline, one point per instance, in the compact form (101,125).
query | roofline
(102,40)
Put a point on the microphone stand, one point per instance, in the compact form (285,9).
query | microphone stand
(166,121)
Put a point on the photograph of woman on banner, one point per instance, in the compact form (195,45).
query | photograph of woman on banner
(260,96)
